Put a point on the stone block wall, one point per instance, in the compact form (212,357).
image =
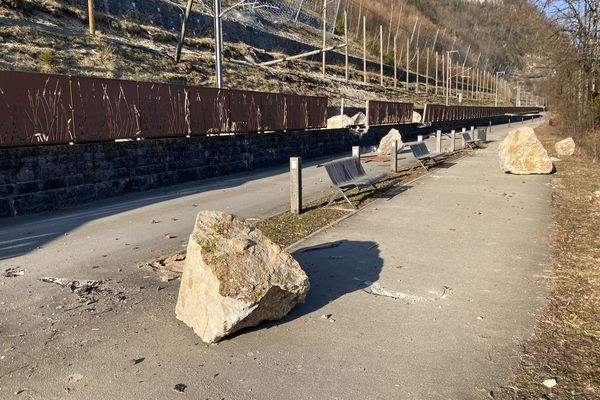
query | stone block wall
(35,179)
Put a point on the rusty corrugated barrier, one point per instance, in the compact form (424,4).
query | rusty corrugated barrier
(38,109)
(441,113)
(388,112)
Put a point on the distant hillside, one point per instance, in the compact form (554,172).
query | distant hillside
(136,40)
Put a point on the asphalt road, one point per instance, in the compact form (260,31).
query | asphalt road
(124,341)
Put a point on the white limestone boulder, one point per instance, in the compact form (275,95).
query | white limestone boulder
(565,147)
(339,121)
(416,118)
(235,277)
(385,144)
(522,153)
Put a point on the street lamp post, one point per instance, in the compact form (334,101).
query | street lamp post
(449,64)
(497,74)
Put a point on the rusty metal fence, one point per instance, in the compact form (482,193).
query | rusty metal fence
(388,112)
(440,113)
(38,109)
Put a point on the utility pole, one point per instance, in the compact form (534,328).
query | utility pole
(218,42)
(91,17)
(181,38)
(324,34)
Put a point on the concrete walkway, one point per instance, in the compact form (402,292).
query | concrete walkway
(462,252)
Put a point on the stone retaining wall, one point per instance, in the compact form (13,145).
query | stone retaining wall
(42,178)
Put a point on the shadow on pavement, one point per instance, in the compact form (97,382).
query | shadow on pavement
(334,269)
(23,234)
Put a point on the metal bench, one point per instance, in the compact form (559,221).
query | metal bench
(421,153)
(347,173)
(472,143)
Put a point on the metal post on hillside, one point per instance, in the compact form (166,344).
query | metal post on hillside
(381,55)
(92,21)
(181,37)
(346,44)
(417,74)
(365,49)
(395,63)
(448,73)
(337,10)
(498,73)
(407,61)
(218,42)
(427,71)
(324,34)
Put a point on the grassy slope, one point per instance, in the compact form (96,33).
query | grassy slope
(50,36)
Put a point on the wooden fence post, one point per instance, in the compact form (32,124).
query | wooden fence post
(92,21)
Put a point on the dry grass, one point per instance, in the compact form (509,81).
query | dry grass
(566,345)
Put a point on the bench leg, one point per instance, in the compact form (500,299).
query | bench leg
(422,165)
(334,196)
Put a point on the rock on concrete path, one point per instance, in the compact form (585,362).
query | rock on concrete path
(460,253)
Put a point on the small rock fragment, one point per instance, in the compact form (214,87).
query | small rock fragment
(74,378)
(179,388)
(550,383)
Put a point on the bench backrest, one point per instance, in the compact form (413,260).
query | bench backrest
(466,137)
(419,149)
(344,170)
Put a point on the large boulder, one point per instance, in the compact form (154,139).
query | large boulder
(235,277)
(358,119)
(522,153)
(416,117)
(565,147)
(339,121)
(385,145)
